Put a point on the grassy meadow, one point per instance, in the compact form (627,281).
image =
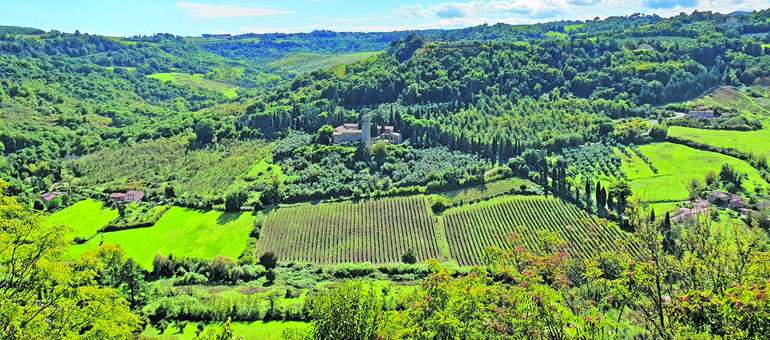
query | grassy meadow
(181,232)
(677,166)
(272,330)
(198,81)
(84,218)
(754,142)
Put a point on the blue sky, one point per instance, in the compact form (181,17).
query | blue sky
(194,17)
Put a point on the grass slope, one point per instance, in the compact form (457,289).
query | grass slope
(197,81)
(248,330)
(677,165)
(754,142)
(182,232)
(300,63)
(84,218)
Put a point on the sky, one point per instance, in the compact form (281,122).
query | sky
(196,17)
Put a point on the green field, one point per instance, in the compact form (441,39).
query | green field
(472,229)
(377,231)
(486,190)
(197,81)
(574,27)
(300,63)
(182,232)
(754,142)
(83,218)
(248,330)
(677,165)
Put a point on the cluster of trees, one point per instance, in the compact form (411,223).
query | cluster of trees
(316,171)
(219,270)
(726,180)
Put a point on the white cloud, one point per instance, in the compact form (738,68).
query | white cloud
(497,7)
(225,11)
(412,11)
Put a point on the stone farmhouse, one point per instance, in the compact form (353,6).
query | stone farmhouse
(129,196)
(701,113)
(352,133)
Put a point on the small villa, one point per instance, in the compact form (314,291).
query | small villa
(129,196)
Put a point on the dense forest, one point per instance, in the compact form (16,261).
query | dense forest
(227,142)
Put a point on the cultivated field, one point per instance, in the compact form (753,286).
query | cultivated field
(378,231)
(197,81)
(487,190)
(181,232)
(83,218)
(472,229)
(678,165)
(209,171)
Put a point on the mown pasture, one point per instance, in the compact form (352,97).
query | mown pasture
(677,166)
(84,218)
(181,232)
(471,230)
(753,142)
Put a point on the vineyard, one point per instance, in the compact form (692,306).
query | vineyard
(491,189)
(379,231)
(473,229)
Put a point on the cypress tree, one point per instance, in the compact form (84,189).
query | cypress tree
(588,194)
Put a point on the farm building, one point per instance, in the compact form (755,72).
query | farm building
(700,207)
(128,196)
(352,133)
(389,134)
(701,113)
(346,133)
(50,196)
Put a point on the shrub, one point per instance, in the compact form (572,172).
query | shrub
(268,260)
(270,276)
(409,257)
(191,278)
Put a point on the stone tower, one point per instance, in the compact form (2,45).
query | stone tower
(366,129)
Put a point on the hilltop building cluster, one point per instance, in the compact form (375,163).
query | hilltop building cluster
(353,132)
